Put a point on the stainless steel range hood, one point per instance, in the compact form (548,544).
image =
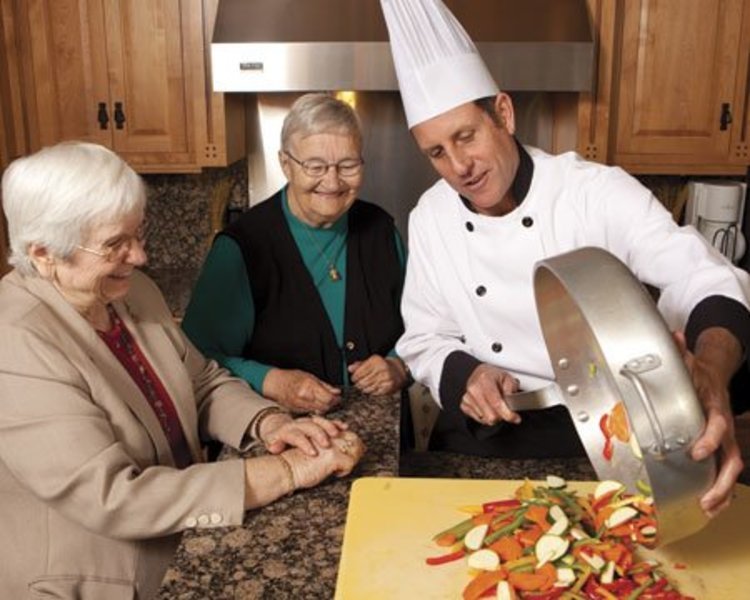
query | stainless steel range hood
(307,45)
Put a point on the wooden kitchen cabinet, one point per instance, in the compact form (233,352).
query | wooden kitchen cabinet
(12,138)
(128,74)
(671,90)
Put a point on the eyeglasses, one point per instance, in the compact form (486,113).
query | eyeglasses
(120,247)
(316,167)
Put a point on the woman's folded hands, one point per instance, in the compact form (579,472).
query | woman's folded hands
(303,453)
(280,430)
(338,458)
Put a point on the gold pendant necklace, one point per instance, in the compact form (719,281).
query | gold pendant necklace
(333,272)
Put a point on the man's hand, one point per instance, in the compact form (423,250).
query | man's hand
(484,399)
(379,376)
(300,391)
(717,356)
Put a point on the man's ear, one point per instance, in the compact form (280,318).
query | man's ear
(505,112)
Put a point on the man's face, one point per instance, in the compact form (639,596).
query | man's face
(474,154)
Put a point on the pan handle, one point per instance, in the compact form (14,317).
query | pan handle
(631,371)
(544,397)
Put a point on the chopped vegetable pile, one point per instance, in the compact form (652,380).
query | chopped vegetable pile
(549,542)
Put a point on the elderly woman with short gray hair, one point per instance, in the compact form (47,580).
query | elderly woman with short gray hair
(301,295)
(104,403)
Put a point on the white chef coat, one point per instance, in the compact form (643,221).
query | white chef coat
(469,281)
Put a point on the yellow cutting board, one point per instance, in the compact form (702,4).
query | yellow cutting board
(391,521)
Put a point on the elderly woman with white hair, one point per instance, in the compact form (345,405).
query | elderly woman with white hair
(104,403)
(301,295)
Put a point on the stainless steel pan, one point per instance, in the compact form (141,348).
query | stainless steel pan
(608,342)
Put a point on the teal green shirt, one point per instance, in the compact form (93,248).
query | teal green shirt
(221,315)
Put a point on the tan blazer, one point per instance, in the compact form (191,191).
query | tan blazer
(90,502)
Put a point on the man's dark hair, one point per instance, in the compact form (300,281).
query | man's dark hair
(487,104)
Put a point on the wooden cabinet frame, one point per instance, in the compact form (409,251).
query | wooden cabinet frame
(616,120)
(78,60)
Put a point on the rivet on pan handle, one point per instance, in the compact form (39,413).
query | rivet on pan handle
(631,370)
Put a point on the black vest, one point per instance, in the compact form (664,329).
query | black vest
(292,329)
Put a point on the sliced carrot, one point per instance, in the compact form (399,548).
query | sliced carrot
(483,518)
(447,539)
(550,572)
(621,531)
(602,515)
(537,513)
(645,508)
(540,580)
(482,582)
(529,536)
(508,548)
(615,553)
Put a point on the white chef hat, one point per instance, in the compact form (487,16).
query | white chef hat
(437,65)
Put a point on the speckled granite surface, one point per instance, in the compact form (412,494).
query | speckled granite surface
(458,466)
(291,548)
(183,213)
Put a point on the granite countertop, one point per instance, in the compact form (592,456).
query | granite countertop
(459,466)
(291,548)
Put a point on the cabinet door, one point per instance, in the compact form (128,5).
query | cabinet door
(148,80)
(677,78)
(65,72)
(12,128)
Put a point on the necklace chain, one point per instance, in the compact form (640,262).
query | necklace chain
(333,272)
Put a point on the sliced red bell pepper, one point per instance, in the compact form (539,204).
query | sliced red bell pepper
(445,558)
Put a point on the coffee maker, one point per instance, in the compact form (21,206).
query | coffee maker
(715,208)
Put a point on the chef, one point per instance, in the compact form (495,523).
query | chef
(472,333)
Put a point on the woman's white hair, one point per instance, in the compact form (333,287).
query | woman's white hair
(55,197)
(320,113)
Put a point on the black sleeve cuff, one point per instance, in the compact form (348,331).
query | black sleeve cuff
(719,311)
(457,369)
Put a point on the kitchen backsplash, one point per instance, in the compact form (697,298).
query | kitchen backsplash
(183,214)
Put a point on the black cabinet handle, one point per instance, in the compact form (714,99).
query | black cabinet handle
(101,115)
(726,116)
(119,115)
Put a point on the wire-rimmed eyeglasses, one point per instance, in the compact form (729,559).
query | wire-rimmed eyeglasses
(120,247)
(317,167)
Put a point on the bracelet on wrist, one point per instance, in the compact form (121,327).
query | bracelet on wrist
(260,417)
(289,473)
